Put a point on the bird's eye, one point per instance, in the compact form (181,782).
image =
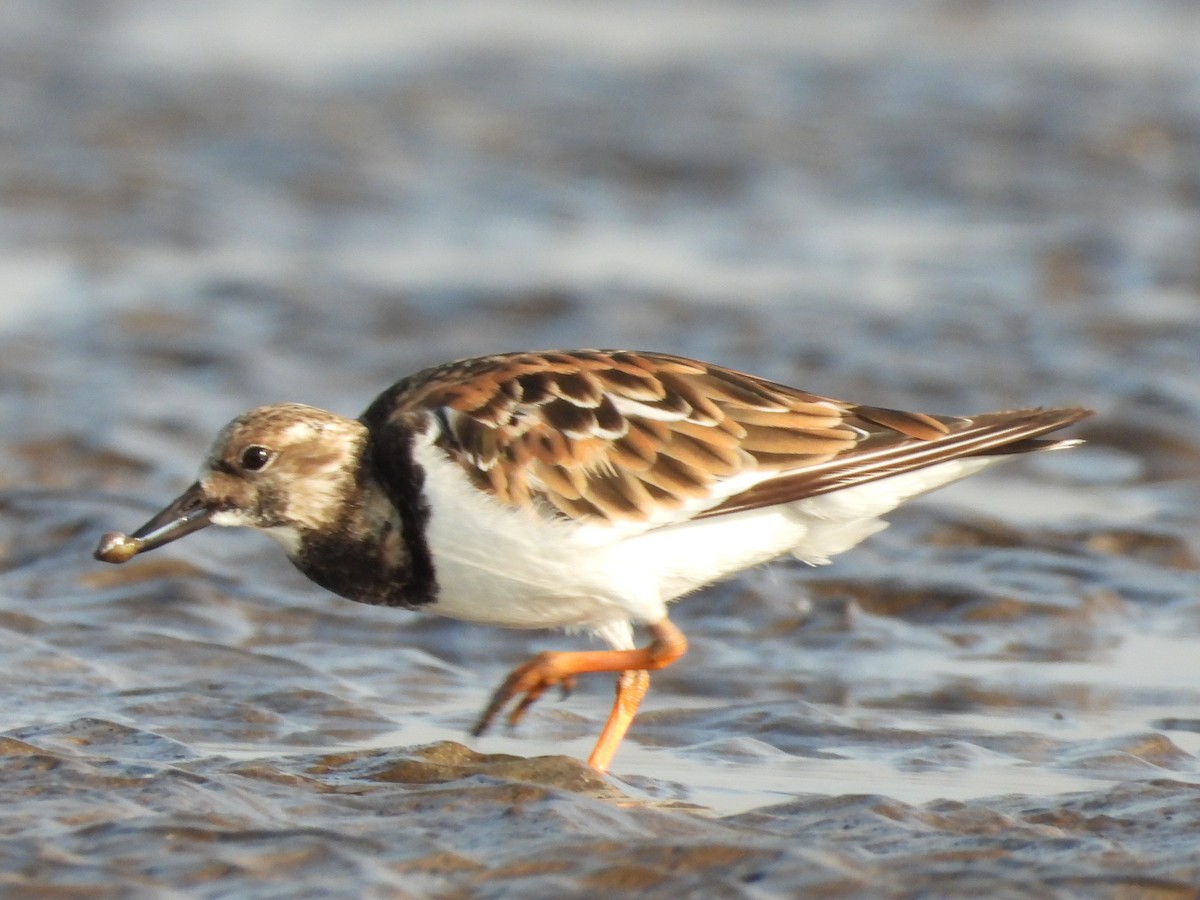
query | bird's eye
(255,457)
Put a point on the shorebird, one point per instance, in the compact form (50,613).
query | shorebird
(580,490)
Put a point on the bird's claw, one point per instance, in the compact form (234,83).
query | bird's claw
(528,681)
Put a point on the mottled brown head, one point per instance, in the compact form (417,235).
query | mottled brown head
(286,469)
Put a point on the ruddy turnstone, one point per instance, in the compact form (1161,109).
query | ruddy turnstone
(579,490)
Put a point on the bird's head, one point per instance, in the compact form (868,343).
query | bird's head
(285,469)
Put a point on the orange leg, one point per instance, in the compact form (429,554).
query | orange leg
(632,685)
(531,679)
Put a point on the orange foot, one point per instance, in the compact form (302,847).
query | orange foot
(557,669)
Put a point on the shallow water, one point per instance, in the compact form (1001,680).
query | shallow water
(942,207)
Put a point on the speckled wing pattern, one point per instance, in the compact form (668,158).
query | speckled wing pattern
(650,438)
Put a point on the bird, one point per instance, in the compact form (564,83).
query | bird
(578,490)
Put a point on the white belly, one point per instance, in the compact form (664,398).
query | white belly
(514,568)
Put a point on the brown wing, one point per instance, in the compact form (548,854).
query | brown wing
(648,437)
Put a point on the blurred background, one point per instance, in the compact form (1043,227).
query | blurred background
(943,206)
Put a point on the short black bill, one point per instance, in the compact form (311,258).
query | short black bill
(189,512)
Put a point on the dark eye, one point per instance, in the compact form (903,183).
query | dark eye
(255,457)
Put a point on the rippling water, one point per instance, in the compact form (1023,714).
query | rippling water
(951,207)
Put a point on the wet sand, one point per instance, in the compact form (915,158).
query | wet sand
(943,207)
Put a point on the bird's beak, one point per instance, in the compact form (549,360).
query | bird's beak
(188,512)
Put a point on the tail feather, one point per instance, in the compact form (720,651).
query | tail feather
(888,452)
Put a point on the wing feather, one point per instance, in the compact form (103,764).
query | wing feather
(651,438)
